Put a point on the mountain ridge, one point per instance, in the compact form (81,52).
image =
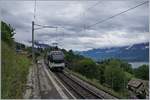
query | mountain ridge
(135,52)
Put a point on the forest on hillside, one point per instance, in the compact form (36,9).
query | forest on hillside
(111,73)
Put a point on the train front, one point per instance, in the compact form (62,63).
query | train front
(56,60)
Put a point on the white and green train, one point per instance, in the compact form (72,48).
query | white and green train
(55,60)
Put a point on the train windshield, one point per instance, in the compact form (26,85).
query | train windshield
(57,55)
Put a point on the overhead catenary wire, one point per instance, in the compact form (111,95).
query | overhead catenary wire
(97,3)
(101,21)
(45,26)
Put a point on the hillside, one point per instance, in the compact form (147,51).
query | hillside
(14,72)
(136,52)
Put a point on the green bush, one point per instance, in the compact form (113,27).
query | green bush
(115,76)
(86,67)
(101,70)
(142,72)
(126,67)
(123,64)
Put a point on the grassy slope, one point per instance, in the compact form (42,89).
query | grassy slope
(14,71)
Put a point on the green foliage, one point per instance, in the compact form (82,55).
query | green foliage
(127,67)
(123,64)
(116,73)
(14,72)
(69,56)
(7,33)
(113,72)
(142,72)
(101,77)
(115,76)
(87,68)
(129,76)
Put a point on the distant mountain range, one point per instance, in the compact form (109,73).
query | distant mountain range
(136,52)
(40,45)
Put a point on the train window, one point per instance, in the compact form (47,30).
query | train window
(56,55)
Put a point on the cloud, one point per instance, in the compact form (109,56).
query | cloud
(71,17)
(111,39)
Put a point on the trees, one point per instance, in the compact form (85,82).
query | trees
(7,33)
(114,75)
(86,67)
(127,67)
(71,59)
(101,70)
(142,72)
(69,56)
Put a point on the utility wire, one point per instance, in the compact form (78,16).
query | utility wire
(118,14)
(34,9)
(99,2)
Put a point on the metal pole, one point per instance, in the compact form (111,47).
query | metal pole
(33,41)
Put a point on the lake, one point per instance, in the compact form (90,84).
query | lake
(137,64)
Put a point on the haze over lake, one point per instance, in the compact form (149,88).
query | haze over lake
(137,64)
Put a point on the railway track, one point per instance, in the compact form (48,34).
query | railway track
(82,91)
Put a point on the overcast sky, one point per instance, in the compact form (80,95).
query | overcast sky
(72,16)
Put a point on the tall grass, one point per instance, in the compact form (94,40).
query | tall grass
(14,72)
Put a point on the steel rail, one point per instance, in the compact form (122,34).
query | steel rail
(63,77)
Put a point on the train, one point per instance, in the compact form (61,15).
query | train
(55,60)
